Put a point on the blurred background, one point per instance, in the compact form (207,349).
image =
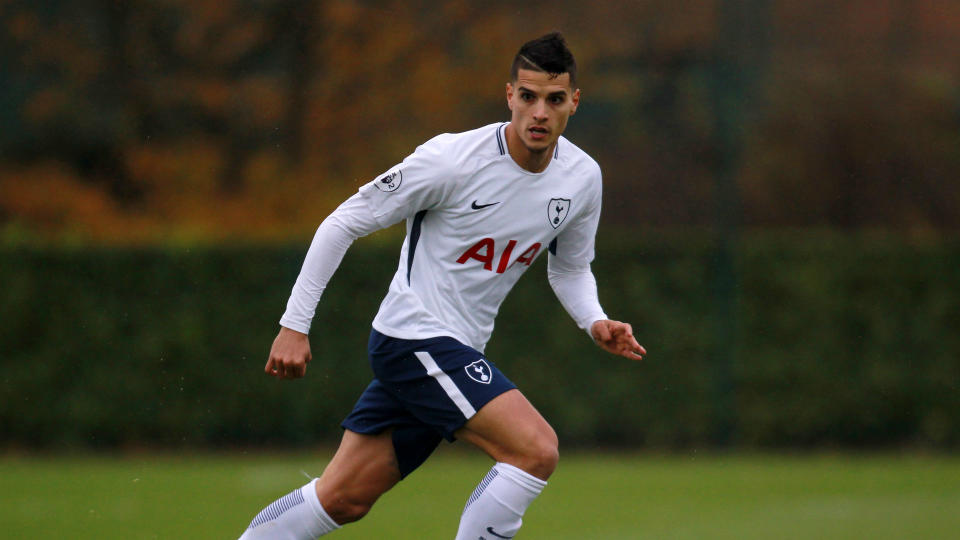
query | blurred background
(780,225)
(781,215)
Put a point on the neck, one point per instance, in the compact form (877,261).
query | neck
(532,161)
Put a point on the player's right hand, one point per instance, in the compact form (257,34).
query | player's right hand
(289,355)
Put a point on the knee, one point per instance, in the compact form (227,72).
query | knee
(549,456)
(343,508)
(542,456)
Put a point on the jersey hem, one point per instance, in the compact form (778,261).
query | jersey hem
(407,334)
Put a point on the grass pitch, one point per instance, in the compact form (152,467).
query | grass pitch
(592,496)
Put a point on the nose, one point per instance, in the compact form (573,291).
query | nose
(540,111)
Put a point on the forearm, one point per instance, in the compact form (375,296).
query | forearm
(577,292)
(349,221)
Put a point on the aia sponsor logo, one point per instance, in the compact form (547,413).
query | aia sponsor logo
(485,251)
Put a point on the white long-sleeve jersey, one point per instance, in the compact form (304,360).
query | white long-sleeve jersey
(475,222)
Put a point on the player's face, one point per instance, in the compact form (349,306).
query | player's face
(540,108)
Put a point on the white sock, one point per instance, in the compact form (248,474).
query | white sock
(495,510)
(297,515)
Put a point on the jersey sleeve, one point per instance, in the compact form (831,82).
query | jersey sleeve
(568,264)
(349,221)
(419,182)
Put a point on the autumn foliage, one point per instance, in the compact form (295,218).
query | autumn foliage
(144,122)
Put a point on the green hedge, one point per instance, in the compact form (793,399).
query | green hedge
(829,341)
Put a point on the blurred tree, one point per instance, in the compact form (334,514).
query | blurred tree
(741,53)
(301,16)
(279,109)
(70,63)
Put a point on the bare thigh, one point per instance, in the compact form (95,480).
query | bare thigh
(363,468)
(510,430)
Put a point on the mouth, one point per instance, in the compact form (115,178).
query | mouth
(538,132)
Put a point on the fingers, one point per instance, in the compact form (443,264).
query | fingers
(629,348)
(289,355)
(277,367)
(298,371)
(625,344)
(601,333)
(635,348)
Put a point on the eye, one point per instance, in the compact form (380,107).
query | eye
(526,96)
(557,100)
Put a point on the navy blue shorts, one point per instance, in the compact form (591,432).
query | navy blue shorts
(425,390)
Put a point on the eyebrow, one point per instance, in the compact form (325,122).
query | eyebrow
(557,93)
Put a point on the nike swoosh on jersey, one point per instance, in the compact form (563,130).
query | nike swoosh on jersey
(491,531)
(476,206)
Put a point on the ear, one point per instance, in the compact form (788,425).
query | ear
(510,96)
(575,98)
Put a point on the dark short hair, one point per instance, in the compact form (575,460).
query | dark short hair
(547,54)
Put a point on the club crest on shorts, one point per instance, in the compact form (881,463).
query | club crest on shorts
(480,371)
(389,182)
(557,211)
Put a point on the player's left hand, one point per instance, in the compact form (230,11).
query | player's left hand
(617,337)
